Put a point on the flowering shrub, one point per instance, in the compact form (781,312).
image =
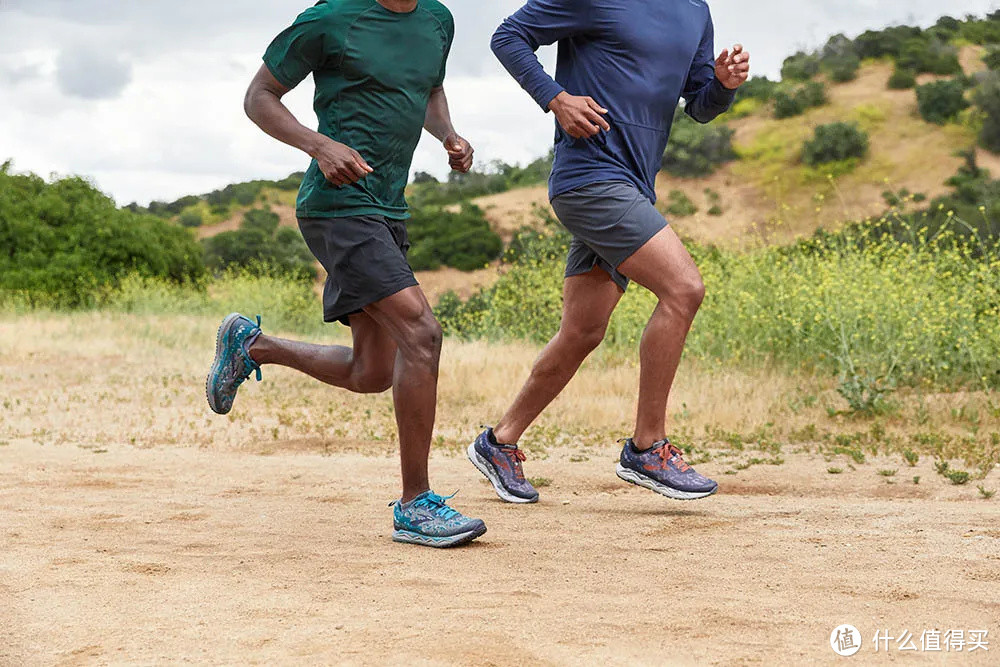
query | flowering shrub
(874,309)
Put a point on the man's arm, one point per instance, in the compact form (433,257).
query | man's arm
(340,164)
(539,23)
(438,123)
(712,82)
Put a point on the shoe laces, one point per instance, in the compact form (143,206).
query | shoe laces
(516,456)
(253,365)
(669,452)
(438,505)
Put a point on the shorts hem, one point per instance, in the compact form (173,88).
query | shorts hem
(342,315)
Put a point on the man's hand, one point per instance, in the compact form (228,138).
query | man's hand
(733,68)
(580,117)
(340,164)
(460,153)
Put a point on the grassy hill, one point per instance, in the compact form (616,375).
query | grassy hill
(767,194)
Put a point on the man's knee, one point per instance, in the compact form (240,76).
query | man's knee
(422,341)
(584,337)
(686,296)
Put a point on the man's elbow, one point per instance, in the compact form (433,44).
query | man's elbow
(501,37)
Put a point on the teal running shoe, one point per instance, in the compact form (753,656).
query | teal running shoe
(427,520)
(232,365)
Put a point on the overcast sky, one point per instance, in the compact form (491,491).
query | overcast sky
(146,97)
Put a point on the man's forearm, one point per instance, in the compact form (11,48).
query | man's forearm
(438,119)
(271,115)
(517,55)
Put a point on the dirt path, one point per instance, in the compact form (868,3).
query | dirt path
(180,554)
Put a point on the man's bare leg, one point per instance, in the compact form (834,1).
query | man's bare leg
(408,319)
(588,301)
(397,343)
(664,267)
(365,368)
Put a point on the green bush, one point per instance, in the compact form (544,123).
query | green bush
(941,101)
(888,42)
(191,218)
(680,205)
(461,239)
(800,67)
(260,242)
(808,307)
(835,142)
(992,58)
(695,150)
(902,79)
(497,177)
(791,102)
(987,98)
(63,242)
(839,59)
(929,55)
(758,88)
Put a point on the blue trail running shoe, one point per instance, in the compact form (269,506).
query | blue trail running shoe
(662,469)
(502,466)
(427,520)
(232,365)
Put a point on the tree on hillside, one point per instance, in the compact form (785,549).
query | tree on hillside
(941,101)
(840,59)
(987,98)
(835,142)
(260,242)
(65,241)
(695,150)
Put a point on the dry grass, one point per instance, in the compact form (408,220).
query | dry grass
(96,379)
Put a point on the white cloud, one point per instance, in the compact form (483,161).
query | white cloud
(92,74)
(175,74)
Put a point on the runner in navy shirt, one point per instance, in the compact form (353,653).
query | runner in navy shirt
(623,67)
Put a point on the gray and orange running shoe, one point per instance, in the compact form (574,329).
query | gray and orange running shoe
(501,464)
(662,469)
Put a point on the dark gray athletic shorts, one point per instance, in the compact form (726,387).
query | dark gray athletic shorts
(365,261)
(609,222)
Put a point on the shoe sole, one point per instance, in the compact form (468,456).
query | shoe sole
(217,364)
(632,477)
(484,467)
(410,537)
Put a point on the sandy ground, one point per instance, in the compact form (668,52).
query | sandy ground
(172,555)
(136,528)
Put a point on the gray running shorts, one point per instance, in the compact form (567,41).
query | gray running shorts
(365,261)
(609,222)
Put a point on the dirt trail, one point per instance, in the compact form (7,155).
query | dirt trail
(180,554)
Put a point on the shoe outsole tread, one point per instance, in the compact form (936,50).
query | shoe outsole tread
(633,477)
(217,363)
(443,542)
(487,470)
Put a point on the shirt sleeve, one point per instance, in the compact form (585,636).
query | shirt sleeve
(538,23)
(705,95)
(449,27)
(299,50)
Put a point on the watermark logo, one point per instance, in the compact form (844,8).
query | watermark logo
(845,640)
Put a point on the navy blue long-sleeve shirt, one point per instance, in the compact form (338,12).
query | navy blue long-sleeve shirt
(636,58)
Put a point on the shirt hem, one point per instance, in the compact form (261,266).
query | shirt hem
(352,212)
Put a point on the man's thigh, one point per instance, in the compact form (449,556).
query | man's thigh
(663,265)
(374,346)
(589,299)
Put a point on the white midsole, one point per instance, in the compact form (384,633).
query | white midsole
(651,484)
(416,538)
(485,468)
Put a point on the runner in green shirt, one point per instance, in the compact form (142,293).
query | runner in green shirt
(379,68)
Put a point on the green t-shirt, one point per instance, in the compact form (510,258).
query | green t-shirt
(374,70)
